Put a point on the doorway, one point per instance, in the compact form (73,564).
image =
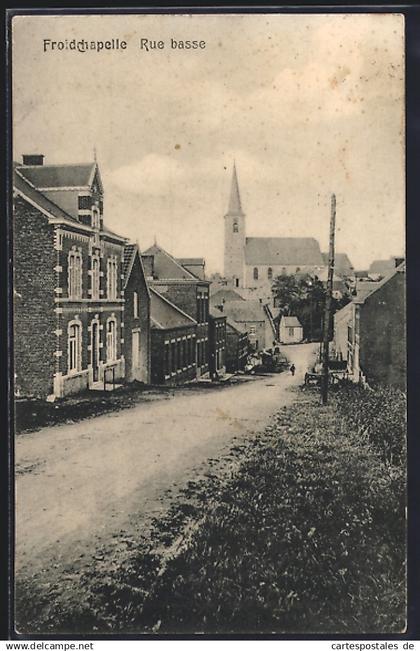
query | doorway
(95,350)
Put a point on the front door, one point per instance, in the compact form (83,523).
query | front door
(135,354)
(95,350)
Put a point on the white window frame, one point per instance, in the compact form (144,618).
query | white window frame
(95,277)
(96,217)
(111,339)
(75,275)
(74,347)
(111,277)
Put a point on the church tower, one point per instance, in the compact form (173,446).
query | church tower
(235,236)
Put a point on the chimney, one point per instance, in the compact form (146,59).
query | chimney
(33,159)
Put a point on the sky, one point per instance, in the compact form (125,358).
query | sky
(305,104)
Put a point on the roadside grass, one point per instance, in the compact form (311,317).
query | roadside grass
(302,530)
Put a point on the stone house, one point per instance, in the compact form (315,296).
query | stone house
(136,317)
(68,331)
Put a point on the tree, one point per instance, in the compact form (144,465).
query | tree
(304,296)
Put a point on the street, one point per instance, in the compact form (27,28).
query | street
(79,484)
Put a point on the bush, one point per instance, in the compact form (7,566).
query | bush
(380,415)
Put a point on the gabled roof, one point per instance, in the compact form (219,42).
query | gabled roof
(290,322)
(244,311)
(342,264)
(283,251)
(23,187)
(166,266)
(192,261)
(238,327)
(360,298)
(165,315)
(224,295)
(130,253)
(59,176)
(382,266)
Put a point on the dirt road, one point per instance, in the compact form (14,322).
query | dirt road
(79,484)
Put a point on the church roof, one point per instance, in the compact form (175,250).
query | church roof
(235,207)
(283,251)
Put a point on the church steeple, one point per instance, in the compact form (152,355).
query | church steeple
(235,207)
(235,235)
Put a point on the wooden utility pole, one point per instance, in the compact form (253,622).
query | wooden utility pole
(327,313)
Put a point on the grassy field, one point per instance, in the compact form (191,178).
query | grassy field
(301,529)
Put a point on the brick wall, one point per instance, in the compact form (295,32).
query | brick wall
(161,362)
(34,317)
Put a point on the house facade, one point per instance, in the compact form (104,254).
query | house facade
(217,343)
(173,342)
(370,333)
(290,330)
(137,343)
(236,347)
(68,326)
(186,291)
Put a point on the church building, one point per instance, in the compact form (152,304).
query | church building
(254,262)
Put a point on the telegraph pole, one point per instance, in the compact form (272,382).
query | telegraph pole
(327,313)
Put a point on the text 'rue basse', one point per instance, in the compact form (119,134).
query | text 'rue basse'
(149,45)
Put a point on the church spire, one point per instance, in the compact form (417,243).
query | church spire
(235,207)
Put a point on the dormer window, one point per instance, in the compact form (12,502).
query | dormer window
(235,227)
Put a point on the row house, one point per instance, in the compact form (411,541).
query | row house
(217,343)
(370,334)
(173,337)
(187,292)
(252,316)
(68,281)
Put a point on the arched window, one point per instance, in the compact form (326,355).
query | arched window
(111,340)
(111,277)
(95,277)
(235,227)
(269,273)
(74,275)
(255,273)
(74,347)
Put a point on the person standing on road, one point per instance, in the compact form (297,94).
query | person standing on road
(292,369)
